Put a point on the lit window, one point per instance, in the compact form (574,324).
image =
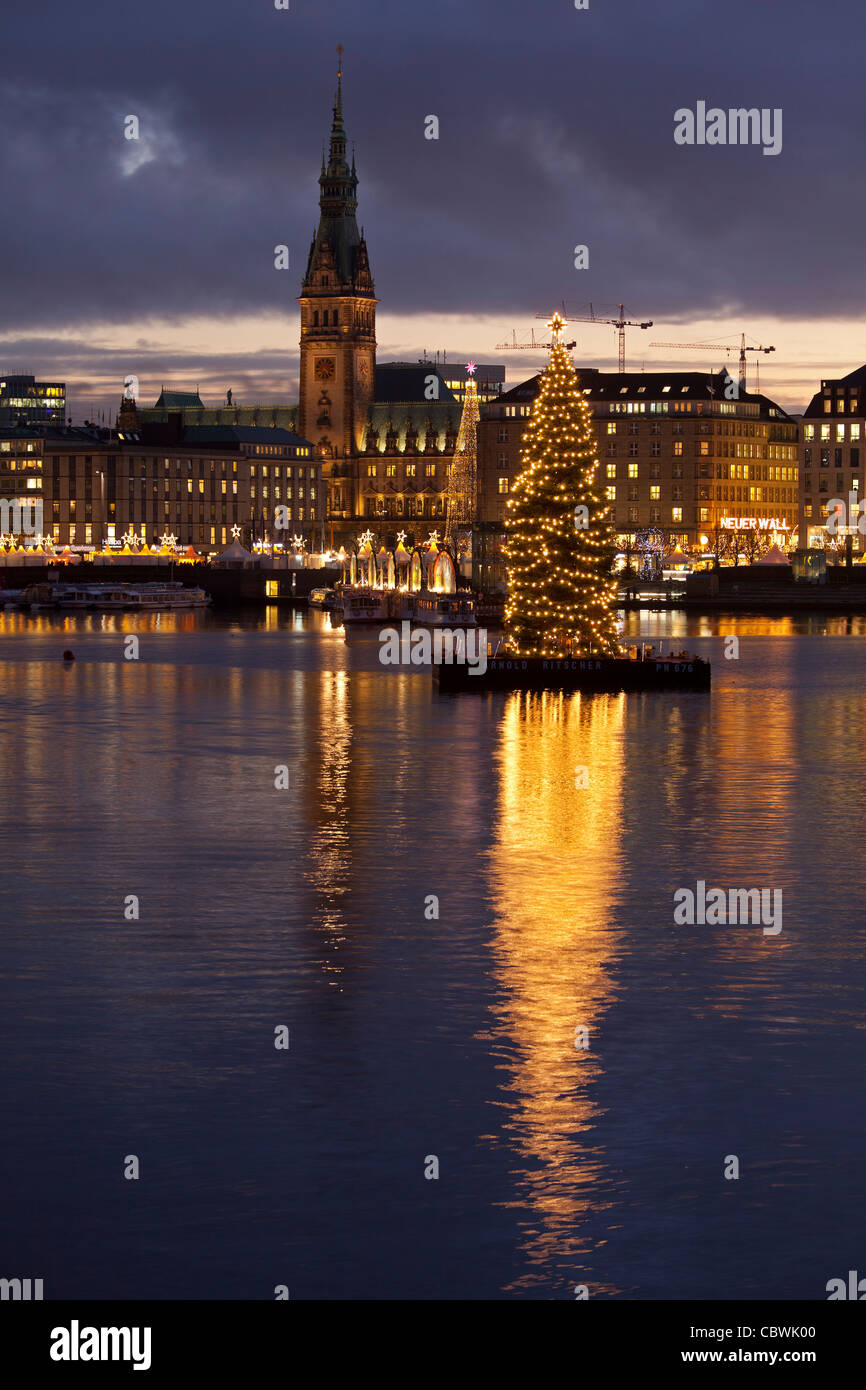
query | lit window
(655,492)
(678,446)
(610,493)
(676,513)
(503,484)
(611,426)
(633,470)
(611,470)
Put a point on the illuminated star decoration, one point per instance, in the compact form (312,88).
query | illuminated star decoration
(556,325)
(366,539)
(401,536)
(236,531)
(297,542)
(434,538)
(470,368)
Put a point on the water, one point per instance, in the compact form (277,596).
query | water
(413,1037)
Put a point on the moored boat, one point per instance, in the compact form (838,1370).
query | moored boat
(363,605)
(323,598)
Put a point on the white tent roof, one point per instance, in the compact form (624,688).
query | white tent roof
(236,552)
(774,556)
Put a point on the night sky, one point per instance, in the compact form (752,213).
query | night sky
(556,128)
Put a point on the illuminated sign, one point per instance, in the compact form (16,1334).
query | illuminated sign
(753,523)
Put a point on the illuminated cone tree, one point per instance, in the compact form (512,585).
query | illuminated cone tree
(461,498)
(560,541)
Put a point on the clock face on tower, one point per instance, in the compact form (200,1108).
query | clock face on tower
(363,369)
(324,368)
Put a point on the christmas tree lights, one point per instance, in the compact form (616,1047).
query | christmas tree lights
(461,497)
(559,535)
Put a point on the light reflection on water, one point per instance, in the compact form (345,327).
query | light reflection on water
(411,1036)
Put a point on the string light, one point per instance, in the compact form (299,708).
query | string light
(561,596)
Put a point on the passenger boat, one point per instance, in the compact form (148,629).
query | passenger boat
(127,597)
(434,610)
(361,605)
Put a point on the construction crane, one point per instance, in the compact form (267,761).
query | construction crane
(532,345)
(620,323)
(722,347)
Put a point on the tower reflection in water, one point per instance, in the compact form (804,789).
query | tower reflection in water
(555,863)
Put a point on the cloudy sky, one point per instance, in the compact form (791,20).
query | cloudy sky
(556,128)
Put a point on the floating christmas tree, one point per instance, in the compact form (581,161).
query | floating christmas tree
(461,498)
(559,536)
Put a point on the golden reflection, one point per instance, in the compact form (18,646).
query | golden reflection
(555,863)
(330,811)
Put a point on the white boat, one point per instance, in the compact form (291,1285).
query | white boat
(127,597)
(430,609)
(363,606)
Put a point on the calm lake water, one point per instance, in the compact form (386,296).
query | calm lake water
(409,1037)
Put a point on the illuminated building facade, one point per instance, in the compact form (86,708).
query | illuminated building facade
(832,440)
(674,454)
(96,488)
(24,400)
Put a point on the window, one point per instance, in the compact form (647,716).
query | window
(855,433)
(391,470)
(633,492)
(611,426)
(655,448)
(655,492)
(632,449)
(502,434)
(678,446)
(430,470)
(610,493)
(632,514)
(611,448)
(854,461)
(633,470)
(371,470)
(655,470)
(410,470)
(655,427)
(503,485)
(611,470)
(676,513)
(807,457)
(655,513)
(632,426)
(840,434)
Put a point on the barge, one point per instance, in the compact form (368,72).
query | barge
(641,670)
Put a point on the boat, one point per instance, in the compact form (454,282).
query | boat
(362,605)
(323,598)
(429,609)
(127,597)
(642,669)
